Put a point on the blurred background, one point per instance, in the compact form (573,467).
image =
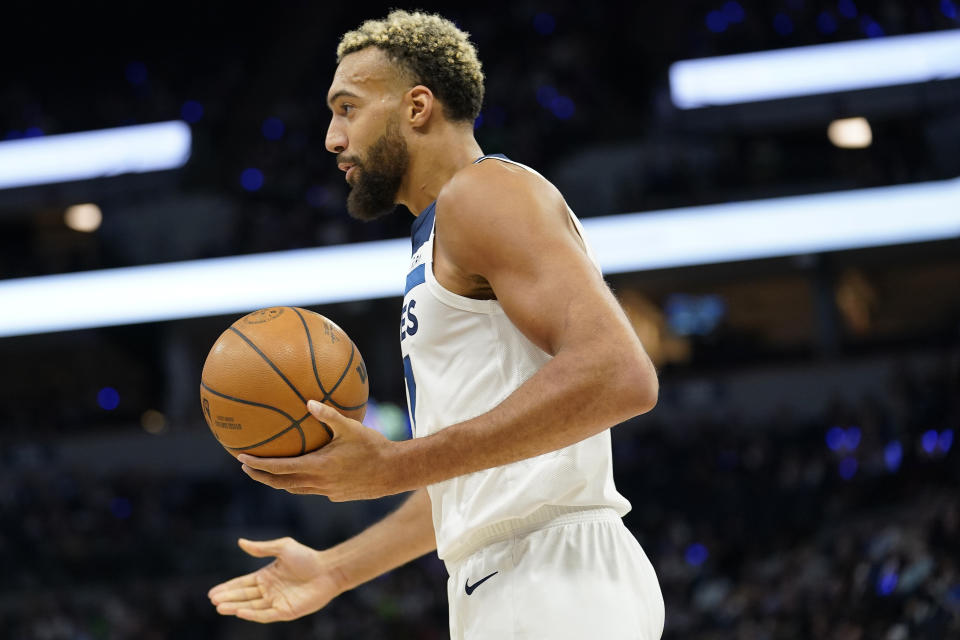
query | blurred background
(797,479)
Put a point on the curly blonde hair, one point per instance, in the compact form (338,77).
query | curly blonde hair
(432,50)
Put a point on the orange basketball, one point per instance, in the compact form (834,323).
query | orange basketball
(261,372)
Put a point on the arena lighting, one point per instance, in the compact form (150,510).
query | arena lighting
(777,227)
(85,218)
(94,154)
(817,69)
(203,287)
(850,133)
(624,243)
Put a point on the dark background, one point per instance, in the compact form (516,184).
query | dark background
(786,486)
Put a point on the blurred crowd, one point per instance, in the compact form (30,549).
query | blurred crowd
(842,527)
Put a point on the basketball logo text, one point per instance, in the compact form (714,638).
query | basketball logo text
(331,333)
(263,315)
(226,422)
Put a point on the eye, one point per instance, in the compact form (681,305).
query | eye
(346,108)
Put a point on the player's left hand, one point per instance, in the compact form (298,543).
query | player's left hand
(359,463)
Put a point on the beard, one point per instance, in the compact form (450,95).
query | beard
(378,178)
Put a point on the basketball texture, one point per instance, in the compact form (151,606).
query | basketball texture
(263,369)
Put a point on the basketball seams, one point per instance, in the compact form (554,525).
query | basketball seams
(264,345)
(313,357)
(293,423)
(327,395)
(269,362)
(250,402)
(296,424)
(303,438)
(353,350)
(343,408)
(326,428)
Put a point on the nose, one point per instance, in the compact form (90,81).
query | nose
(336,138)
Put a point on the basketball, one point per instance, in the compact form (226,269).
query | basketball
(263,369)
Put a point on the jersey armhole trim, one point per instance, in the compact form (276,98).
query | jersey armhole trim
(457,301)
(448,297)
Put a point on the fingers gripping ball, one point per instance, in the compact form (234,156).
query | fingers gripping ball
(261,372)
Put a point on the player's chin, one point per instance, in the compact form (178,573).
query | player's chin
(373,197)
(367,214)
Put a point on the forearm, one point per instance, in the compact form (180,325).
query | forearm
(402,536)
(574,396)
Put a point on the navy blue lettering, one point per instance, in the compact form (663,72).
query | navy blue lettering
(412,323)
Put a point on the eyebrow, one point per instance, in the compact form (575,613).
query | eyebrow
(339,94)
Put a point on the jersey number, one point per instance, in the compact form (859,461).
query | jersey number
(411,391)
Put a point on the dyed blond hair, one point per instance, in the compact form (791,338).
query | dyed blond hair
(432,51)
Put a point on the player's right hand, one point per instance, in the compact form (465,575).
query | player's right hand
(298,582)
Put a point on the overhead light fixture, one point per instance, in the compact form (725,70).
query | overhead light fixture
(83,217)
(817,69)
(850,133)
(623,243)
(94,154)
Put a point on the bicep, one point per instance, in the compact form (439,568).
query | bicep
(551,290)
(519,238)
(522,241)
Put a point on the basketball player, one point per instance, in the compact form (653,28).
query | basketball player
(518,360)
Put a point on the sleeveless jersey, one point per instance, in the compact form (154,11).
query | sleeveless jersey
(461,358)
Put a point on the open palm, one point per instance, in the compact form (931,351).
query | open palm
(296,583)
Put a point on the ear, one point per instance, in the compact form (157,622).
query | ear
(420,104)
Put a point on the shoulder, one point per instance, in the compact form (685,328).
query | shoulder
(494,214)
(494,191)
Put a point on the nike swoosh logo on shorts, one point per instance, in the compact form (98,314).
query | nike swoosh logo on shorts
(470,587)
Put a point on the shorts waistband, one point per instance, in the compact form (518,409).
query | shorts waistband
(544,517)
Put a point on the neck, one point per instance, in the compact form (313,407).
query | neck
(434,158)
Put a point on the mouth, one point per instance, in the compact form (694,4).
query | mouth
(348,168)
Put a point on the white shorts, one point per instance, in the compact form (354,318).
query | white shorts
(564,574)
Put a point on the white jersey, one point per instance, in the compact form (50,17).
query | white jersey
(461,358)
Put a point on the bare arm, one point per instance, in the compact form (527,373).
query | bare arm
(402,536)
(518,238)
(302,580)
(516,241)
